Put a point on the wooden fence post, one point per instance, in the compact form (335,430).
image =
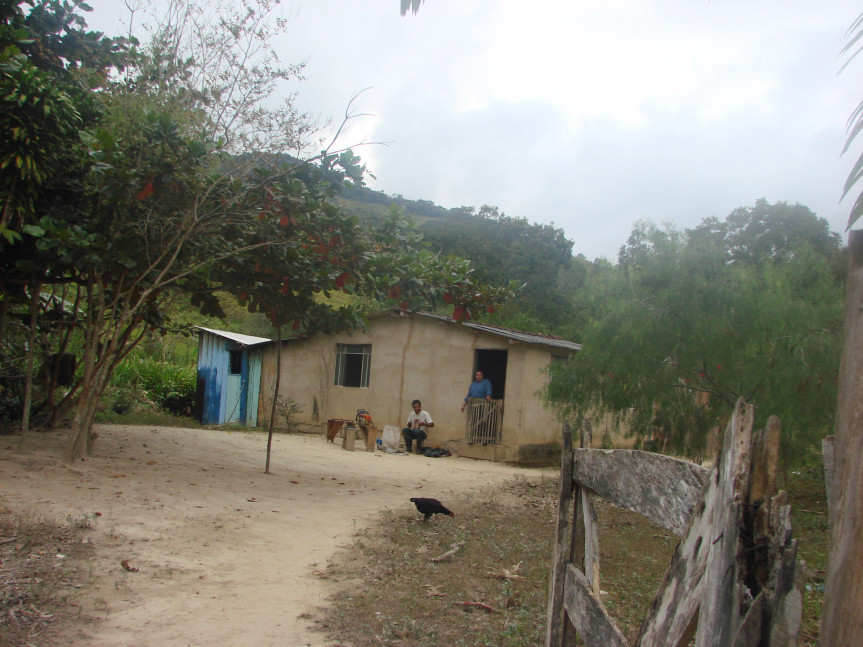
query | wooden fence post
(555,619)
(842,619)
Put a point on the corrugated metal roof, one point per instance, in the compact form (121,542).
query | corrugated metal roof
(243,340)
(509,333)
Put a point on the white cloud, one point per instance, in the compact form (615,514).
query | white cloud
(589,114)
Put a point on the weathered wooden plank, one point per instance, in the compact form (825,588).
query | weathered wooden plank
(672,614)
(591,540)
(585,541)
(555,620)
(765,461)
(661,488)
(595,627)
(719,614)
(842,620)
(584,546)
(749,632)
(787,600)
(670,620)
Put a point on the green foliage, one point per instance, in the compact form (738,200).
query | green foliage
(768,231)
(170,177)
(288,409)
(145,379)
(681,329)
(507,249)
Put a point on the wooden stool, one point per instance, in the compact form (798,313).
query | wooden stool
(334,426)
(370,434)
(349,436)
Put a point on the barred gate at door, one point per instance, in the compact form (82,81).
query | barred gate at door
(484,421)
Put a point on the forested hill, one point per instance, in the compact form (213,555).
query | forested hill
(380,202)
(501,248)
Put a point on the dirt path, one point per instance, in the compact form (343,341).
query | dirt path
(227,555)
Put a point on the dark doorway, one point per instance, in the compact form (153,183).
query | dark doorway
(492,363)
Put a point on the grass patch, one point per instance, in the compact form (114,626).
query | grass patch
(808,497)
(390,592)
(39,577)
(147,417)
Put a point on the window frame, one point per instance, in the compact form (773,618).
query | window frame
(345,356)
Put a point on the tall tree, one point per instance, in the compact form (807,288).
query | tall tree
(182,184)
(678,332)
(508,249)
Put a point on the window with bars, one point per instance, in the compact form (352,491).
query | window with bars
(353,363)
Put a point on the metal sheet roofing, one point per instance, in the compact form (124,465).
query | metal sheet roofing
(243,340)
(509,333)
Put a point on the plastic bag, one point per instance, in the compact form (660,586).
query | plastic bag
(391,438)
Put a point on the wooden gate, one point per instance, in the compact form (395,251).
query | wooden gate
(484,421)
(733,580)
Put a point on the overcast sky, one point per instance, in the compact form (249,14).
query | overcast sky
(589,115)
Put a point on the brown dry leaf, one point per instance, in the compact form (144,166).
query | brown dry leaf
(125,565)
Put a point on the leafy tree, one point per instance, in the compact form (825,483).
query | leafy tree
(678,332)
(182,186)
(511,249)
(51,69)
(769,232)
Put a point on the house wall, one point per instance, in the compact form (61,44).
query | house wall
(213,365)
(419,357)
(213,369)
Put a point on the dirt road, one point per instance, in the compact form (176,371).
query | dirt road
(226,555)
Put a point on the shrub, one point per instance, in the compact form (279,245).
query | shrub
(168,385)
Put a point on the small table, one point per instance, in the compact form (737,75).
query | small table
(349,429)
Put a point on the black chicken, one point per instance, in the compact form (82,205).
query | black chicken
(428,507)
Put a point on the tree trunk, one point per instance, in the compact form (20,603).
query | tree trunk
(842,619)
(79,428)
(4,317)
(275,395)
(31,358)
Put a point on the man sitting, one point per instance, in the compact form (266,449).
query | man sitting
(419,422)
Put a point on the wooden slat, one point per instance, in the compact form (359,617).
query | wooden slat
(719,615)
(765,461)
(590,521)
(787,602)
(673,611)
(555,619)
(675,607)
(595,627)
(661,488)
(842,620)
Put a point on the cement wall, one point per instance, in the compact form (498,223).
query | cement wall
(430,360)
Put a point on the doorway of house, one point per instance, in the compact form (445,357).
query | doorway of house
(492,363)
(485,419)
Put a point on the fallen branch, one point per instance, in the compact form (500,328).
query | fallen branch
(474,604)
(507,574)
(455,548)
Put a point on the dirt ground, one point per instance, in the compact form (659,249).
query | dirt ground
(225,554)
